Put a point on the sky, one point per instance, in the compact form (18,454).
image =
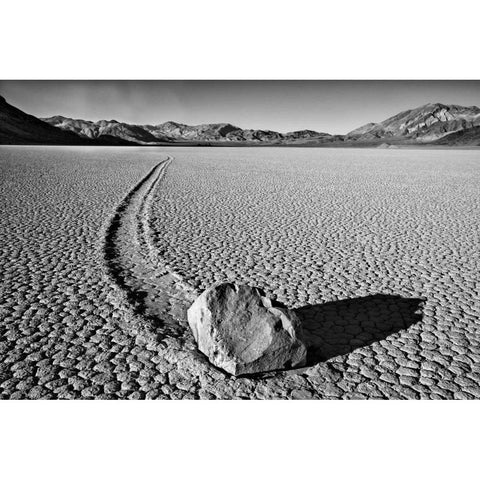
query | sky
(335,107)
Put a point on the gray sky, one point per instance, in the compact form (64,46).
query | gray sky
(325,106)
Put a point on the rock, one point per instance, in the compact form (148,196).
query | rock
(241,332)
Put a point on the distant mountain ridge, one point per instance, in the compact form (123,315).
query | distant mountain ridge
(226,132)
(433,123)
(89,129)
(178,132)
(427,123)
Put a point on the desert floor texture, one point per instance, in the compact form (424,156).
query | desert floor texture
(102,250)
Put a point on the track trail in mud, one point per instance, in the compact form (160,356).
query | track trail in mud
(155,293)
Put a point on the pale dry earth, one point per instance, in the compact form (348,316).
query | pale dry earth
(320,229)
(377,251)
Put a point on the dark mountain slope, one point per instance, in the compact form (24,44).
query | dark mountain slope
(20,128)
(17,127)
(467,137)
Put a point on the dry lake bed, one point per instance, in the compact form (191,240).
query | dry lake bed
(102,250)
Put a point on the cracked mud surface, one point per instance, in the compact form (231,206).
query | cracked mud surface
(377,251)
(319,229)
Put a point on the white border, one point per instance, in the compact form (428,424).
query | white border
(252,39)
(238,440)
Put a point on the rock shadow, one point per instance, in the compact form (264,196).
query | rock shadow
(339,327)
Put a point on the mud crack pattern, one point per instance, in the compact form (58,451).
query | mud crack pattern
(378,252)
(379,255)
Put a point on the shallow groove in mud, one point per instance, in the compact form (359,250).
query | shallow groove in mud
(110,248)
(155,294)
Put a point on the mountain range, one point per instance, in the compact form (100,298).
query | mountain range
(19,128)
(173,132)
(430,124)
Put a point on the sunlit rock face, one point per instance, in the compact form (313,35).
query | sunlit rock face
(242,332)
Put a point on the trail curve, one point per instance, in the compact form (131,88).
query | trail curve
(157,296)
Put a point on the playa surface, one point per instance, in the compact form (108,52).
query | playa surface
(103,249)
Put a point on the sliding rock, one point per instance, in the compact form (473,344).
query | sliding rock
(241,332)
